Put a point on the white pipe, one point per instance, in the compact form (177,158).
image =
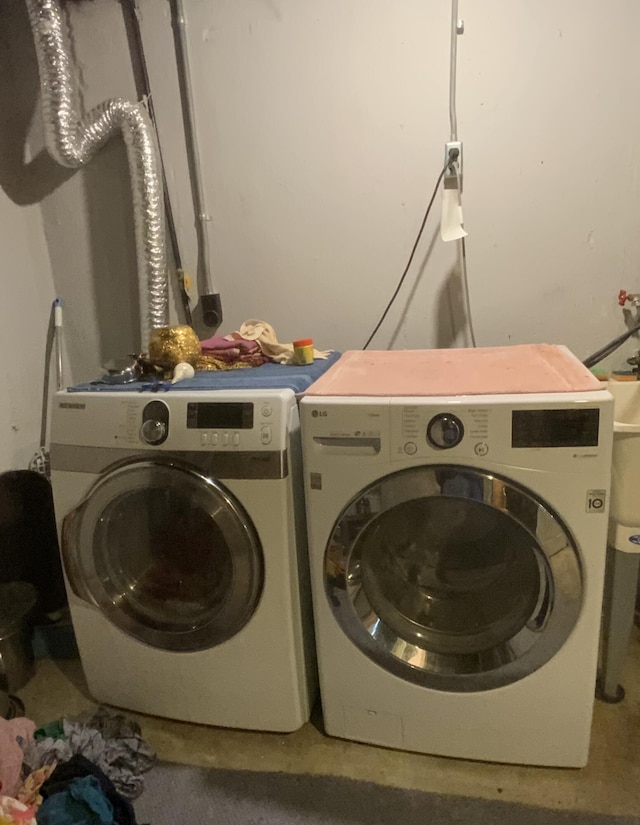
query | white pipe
(57,329)
(456,29)
(453,61)
(203,218)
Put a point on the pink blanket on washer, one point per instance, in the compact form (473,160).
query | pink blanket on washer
(523,368)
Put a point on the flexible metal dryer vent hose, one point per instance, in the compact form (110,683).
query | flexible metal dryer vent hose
(72,139)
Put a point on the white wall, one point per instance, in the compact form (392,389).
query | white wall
(24,316)
(25,271)
(323,123)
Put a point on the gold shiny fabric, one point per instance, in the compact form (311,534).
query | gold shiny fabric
(210,362)
(169,346)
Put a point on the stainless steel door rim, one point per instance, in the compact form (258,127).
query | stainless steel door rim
(453,578)
(167,554)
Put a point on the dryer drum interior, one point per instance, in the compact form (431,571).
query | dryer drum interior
(167,554)
(453,578)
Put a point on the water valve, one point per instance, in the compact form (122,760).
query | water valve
(628,297)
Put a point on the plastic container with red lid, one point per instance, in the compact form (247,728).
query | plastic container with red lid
(303,351)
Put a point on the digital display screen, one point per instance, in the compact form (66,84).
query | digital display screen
(224,415)
(555,428)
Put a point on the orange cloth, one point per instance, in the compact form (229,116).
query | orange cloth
(522,368)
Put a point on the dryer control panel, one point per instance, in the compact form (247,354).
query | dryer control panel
(228,421)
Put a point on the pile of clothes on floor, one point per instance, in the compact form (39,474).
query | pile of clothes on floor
(82,771)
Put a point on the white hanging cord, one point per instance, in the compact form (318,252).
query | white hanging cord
(462,255)
(462,252)
(457,28)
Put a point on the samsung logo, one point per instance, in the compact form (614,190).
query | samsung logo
(72,405)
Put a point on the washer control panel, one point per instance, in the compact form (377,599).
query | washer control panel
(538,430)
(420,430)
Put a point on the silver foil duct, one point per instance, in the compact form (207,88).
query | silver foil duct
(72,139)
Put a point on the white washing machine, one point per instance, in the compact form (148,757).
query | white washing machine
(184,550)
(457,550)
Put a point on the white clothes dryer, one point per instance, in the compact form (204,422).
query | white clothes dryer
(184,550)
(457,550)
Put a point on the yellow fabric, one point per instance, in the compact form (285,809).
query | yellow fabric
(29,791)
(265,335)
(23,813)
(210,362)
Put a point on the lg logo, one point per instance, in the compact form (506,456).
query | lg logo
(319,413)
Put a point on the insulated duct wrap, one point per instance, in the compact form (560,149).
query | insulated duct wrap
(73,139)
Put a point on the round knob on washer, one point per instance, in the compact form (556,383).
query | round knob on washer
(445,431)
(153,431)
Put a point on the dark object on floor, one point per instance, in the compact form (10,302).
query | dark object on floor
(81,803)
(78,767)
(175,793)
(28,537)
(55,640)
(17,603)
(10,706)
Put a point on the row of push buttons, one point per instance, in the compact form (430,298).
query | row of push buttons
(481,448)
(214,439)
(224,439)
(265,429)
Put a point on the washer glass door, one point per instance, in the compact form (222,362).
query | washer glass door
(453,578)
(168,555)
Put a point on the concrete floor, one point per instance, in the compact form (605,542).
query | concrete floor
(609,784)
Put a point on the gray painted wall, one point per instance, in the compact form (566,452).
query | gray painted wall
(323,126)
(27,283)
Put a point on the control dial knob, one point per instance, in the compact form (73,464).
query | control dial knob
(445,431)
(153,431)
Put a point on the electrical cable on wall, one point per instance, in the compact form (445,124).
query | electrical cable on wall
(411,256)
(451,174)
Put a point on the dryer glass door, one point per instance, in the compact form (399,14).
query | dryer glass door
(167,554)
(453,578)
